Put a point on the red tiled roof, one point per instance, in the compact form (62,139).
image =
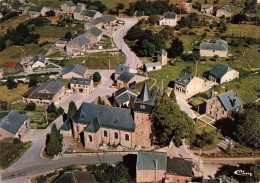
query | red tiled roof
(10,64)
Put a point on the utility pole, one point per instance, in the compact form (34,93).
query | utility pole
(196,68)
(162,84)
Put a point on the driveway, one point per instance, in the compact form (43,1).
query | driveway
(131,59)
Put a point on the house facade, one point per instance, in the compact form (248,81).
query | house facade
(68,6)
(94,34)
(152,66)
(81,85)
(221,73)
(224,105)
(162,57)
(123,96)
(60,44)
(13,125)
(45,94)
(186,6)
(39,61)
(187,84)
(12,67)
(223,11)
(126,78)
(123,68)
(89,15)
(76,71)
(219,48)
(78,45)
(95,124)
(169,19)
(207,8)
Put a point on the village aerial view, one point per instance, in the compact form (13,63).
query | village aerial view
(129,91)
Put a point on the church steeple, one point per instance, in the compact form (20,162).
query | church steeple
(144,95)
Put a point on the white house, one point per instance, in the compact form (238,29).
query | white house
(152,66)
(169,19)
(219,48)
(39,61)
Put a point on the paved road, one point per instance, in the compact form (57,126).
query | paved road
(131,59)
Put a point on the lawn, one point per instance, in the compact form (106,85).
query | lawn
(11,152)
(138,86)
(49,3)
(13,95)
(99,60)
(106,42)
(16,53)
(12,23)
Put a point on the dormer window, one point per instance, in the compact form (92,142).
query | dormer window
(82,116)
(142,106)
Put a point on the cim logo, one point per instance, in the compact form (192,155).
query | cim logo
(242,173)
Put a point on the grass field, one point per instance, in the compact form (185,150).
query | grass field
(11,152)
(13,95)
(12,23)
(16,53)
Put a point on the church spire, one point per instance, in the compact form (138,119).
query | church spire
(144,95)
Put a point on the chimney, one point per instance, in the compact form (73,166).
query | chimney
(212,93)
(231,178)
(226,90)
(234,101)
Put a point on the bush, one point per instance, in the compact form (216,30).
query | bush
(30,107)
(3,105)
(96,77)
(17,141)
(60,111)
(11,84)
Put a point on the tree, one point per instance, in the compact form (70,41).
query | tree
(52,108)
(255,170)
(158,41)
(147,49)
(50,13)
(187,70)
(30,107)
(68,35)
(60,111)
(167,32)
(100,101)
(170,122)
(211,26)
(2,43)
(134,33)
(96,77)
(120,6)
(173,96)
(11,84)
(3,105)
(153,19)
(33,81)
(54,144)
(248,121)
(176,48)
(131,104)
(72,109)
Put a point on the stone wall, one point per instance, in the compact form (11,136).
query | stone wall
(5,134)
(215,109)
(150,175)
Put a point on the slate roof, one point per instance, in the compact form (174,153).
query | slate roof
(81,81)
(125,77)
(184,79)
(70,3)
(223,179)
(89,13)
(92,7)
(78,69)
(17,5)
(153,64)
(107,117)
(40,58)
(107,18)
(82,40)
(75,176)
(35,8)
(66,126)
(220,70)
(145,96)
(179,166)
(124,94)
(96,31)
(147,160)
(219,45)
(169,15)
(123,68)
(206,6)
(12,121)
(226,7)
(52,86)
(162,52)
(94,126)
(230,100)
(60,42)
(96,21)
(78,9)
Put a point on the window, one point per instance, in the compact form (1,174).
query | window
(90,138)
(154,68)
(79,85)
(75,85)
(217,109)
(126,137)
(222,112)
(210,112)
(116,135)
(210,107)
(105,133)
(142,106)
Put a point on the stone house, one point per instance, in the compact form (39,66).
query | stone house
(108,20)
(207,8)
(126,78)
(224,105)
(187,84)
(39,61)
(162,57)
(75,176)
(76,71)
(94,34)
(186,6)
(60,44)
(122,69)
(81,85)
(89,24)
(154,66)
(123,95)
(89,15)
(169,19)
(46,93)
(78,45)
(77,13)
(12,67)
(13,125)
(94,124)
(68,6)
(152,166)
(36,11)
(223,11)
(219,48)
(221,73)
